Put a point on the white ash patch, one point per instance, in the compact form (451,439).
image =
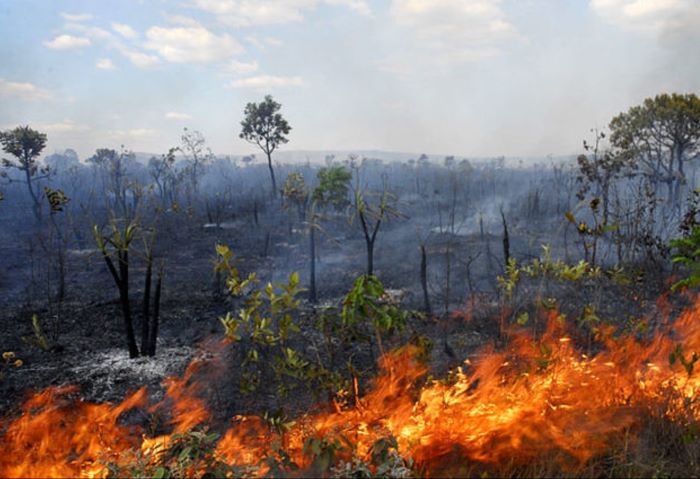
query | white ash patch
(224,225)
(81,253)
(109,374)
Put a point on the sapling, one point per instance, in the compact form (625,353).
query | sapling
(332,191)
(120,240)
(370,217)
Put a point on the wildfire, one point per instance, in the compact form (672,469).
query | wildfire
(535,399)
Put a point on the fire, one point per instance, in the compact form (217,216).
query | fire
(534,399)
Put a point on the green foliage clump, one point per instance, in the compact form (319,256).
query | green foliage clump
(552,269)
(57,199)
(39,339)
(367,302)
(192,454)
(333,186)
(384,461)
(263,326)
(688,364)
(687,252)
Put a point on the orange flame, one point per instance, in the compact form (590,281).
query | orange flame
(532,400)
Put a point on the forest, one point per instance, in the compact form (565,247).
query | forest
(188,314)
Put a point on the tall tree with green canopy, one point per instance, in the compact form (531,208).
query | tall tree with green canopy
(659,137)
(265,127)
(26,144)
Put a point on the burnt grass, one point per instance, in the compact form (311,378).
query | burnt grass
(86,330)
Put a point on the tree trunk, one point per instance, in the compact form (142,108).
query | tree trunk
(370,256)
(255,213)
(153,333)
(126,310)
(36,205)
(266,245)
(272,175)
(145,329)
(61,274)
(424,279)
(506,240)
(312,275)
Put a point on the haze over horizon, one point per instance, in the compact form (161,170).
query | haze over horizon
(473,78)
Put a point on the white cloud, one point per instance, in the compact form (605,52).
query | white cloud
(182,20)
(192,44)
(645,15)
(134,133)
(65,126)
(456,29)
(105,64)
(256,12)
(261,44)
(140,59)
(274,42)
(66,42)
(22,90)
(76,17)
(241,68)
(269,12)
(95,33)
(137,58)
(173,115)
(359,6)
(124,30)
(253,40)
(266,81)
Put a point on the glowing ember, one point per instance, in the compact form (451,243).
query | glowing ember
(534,400)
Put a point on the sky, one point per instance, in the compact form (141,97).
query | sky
(462,77)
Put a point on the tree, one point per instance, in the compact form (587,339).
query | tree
(333,186)
(26,144)
(113,165)
(660,136)
(265,127)
(332,191)
(198,155)
(162,170)
(598,171)
(115,246)
(370,216)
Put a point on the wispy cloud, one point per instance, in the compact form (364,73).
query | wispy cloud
(191,44)
(647,15)
(23,90)
(67,42)
(455,30)
(134,133)
(173,115)
(359,6)
(266,81)
(76,17)
(140,59)
(270,12)
(241,68)
(105,64)
(65,126)
(124,30)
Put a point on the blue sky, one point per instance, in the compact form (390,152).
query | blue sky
(463,77)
